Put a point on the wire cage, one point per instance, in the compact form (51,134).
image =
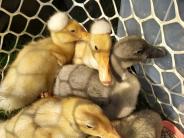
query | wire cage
(160,22)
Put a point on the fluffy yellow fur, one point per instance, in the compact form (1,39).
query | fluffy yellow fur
(36,66)
(95,54)
(70,117)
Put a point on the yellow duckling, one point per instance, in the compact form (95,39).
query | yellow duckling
(36,66)
(69,117)
(96,53)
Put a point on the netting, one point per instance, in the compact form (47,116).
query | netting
(160,22)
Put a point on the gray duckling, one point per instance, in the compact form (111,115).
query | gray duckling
(119,99)
(142,124)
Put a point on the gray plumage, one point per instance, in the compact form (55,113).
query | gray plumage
(143,124)
(119,99)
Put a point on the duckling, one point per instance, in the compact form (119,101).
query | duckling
(37,64)
(96,53)
(67,117)
(127,52)
(119,99)
(142,124)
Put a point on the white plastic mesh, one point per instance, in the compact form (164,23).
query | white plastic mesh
(159,22)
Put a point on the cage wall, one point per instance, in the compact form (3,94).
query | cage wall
(160,22)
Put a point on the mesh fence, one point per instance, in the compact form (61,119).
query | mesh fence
(160,22)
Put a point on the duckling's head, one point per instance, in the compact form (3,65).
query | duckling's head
(64,30)
(134,49)
(92,121)
(100,44)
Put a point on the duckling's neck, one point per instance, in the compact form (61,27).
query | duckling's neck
(89,58)
(69,128)
(64,49)
(68,121)
(116,69)
(117,124)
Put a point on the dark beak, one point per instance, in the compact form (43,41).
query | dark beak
(155,52)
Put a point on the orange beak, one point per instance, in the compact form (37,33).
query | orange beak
(111,134)
(85,36)
(102,59)
(114,134)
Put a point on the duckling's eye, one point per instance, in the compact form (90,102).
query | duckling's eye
(141,51)
(89,126)
(96,48)
(72,30)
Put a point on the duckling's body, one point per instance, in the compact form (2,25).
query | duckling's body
(119,99)
(36,66)
(143,124)
(69,117)
(33,72)
(82,81)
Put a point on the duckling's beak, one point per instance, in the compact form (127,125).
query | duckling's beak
(111,134)
(84,36)
(102,59)
(155,52)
